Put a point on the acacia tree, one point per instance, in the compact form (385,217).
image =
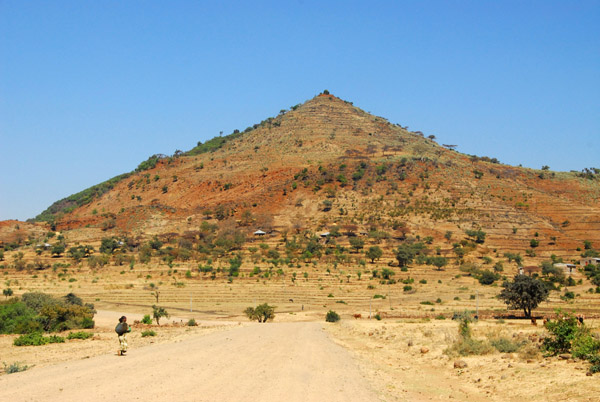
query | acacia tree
(357,243)
(386,273)
(405,253)
(478,235)
(58,249)
(439,262)
(524,292)
(261,313)
(374,253)
(158,312)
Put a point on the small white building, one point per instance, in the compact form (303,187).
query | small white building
(589,260)
(567,268)
(259,233)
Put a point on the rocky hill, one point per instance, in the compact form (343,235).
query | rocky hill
(327,165)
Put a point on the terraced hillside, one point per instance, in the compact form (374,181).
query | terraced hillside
(327,162)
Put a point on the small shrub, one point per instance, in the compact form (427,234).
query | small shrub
(562,332)
(15,367)
(80,335)
(148,332)
(595,367)
(529,351)
(37,339)
(487,277)
(192,323)
(584,345)
(378,317)
(87,323)
(466,345)
(407,288)
(147,319)
(469,346)
(332,316)
(378,296)
(506,345)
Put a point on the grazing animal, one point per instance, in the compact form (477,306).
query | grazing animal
(292,300)
(357,316)
(533,321)
(546,321)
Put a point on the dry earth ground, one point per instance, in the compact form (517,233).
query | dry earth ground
(367,360)
(272,362)
(392,355)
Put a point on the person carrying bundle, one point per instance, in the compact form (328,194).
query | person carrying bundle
(122,329)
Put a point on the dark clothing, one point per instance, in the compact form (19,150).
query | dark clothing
(121,328)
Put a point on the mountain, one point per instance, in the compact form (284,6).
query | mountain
(325,164)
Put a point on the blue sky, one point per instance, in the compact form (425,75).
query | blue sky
(89,89)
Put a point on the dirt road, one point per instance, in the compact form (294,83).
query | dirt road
(261,362)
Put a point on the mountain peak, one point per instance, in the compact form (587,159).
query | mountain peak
(327,162)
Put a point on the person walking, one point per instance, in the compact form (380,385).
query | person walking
(122,329)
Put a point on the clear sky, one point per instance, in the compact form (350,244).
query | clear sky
(89,89)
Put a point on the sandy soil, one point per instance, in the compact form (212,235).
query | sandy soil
(254,362)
